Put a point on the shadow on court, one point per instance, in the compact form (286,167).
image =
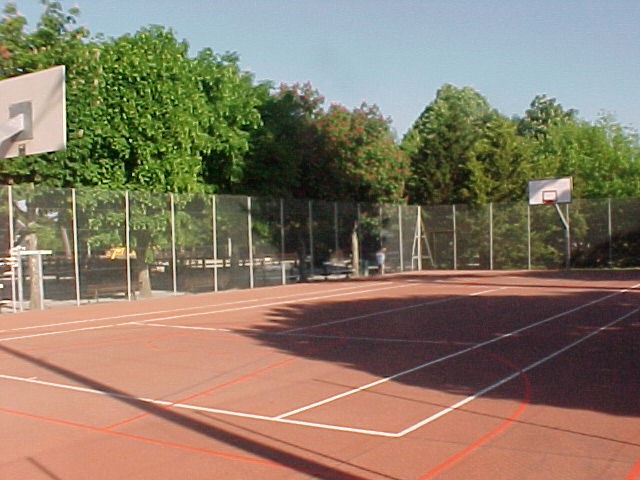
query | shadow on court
(385,336)
(264,450)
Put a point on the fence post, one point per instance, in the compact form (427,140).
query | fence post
(76,264)
(214,227)
(174,262)
(400,238)
(335,227)
(311,256)
(250,240)
(283,267)
(529,236)
(455,239)
(12,242)
(610,231)
(491,236)
(127,242)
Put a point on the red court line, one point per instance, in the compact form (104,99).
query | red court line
(234,381)
(180,446)
(141,438)
(488,436)
(209,390)
(634,473)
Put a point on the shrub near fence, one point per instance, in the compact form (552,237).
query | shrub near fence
(127,245)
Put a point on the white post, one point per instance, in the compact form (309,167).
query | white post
(76,264)
(529,236)
(310,238)
(610,231)
(250,239)
(400,238)
(127,242)
(215,243)
(455,240)
(174,261)
(282,249)
(491,236)
(335,226)
(12,242)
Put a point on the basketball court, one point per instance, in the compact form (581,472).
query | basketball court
(451,375)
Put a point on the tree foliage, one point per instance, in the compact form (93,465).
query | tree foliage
(360,160)
(141,113)
(285,149)
(144,115)
(444,146)
(305,151)
(463,151)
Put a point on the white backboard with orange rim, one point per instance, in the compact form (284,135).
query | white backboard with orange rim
(550,191)
(33,116)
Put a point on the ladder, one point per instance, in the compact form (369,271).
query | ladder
(420,238)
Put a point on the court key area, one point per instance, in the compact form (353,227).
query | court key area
(447,374)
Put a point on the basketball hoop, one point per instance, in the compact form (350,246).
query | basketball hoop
(549,196)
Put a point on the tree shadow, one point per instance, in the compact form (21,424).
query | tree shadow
(480,338)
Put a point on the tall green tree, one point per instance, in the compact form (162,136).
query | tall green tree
(360,159)
(285,149)
(232,113)
(443,144)
(502,164)
(603,158)
(544,112)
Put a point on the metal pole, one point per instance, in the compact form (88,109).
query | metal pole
(610,231)
(529,236)
(250,239)
(174,261)
(215,243)
(127,242)
(76,264)
(567,235)
(40,279)
(400,238)
(11,245)
(335,227)
(419,234)
(311,255)
(455,240)
(282,247)
(20,287)
(491,236)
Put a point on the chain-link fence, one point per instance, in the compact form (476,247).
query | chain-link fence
(73,246)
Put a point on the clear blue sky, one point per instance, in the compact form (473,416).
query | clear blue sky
(398,53)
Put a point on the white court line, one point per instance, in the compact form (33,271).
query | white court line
(184,406)
(508,378)
(58,332)
(291,297)
(325,426)
(407,341)
(182,327)
(390,310)
(447,357)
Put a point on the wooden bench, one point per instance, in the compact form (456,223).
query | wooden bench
(342,268)
(98,289)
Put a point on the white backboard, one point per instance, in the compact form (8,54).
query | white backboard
(550,191)
(37,100)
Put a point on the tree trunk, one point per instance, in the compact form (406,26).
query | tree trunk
(144,281)
(35,292)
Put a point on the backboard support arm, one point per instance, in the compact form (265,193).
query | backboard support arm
(12,127)
(567,237)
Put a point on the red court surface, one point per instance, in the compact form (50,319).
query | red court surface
(453,375)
